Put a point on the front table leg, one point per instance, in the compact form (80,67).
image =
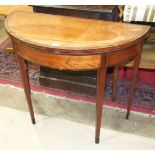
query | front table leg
(133,82)
(25,78)
(101,78)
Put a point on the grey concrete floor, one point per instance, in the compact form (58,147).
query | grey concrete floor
(68,124)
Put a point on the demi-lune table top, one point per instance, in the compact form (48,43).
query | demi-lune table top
(71,33)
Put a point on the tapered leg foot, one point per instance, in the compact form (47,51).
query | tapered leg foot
(127,115)
(96,140)
(33,121)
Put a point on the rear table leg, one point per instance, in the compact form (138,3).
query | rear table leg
(114,84)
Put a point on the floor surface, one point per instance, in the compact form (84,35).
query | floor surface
(70,125)
(17,132)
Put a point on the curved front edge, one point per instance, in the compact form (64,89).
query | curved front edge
(61,62)
(124,55)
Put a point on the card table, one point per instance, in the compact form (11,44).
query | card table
(75,44)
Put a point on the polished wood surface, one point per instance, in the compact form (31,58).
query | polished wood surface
(26,84)
(147,58)
(107,49)
(60,62)
(72,62)
(69,33)
(134,80)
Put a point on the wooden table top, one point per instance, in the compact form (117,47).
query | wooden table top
(70,33)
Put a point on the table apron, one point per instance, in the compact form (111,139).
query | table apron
(124,55)
(55,61)
(75,63)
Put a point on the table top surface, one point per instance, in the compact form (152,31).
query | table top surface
(71,33)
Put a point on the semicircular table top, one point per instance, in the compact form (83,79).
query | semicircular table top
(72,33)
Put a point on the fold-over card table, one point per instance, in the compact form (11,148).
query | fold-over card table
(69,43)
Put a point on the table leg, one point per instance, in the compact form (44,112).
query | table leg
(114,84)
(101,77)
(133,82)
(25,78)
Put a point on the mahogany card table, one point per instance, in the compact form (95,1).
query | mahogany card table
(70,43)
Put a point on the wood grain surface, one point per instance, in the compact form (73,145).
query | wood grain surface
(65,62)
(70,33)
